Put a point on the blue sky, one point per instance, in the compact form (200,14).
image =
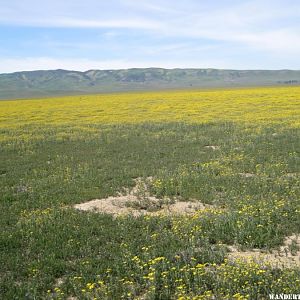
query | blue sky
(98,34)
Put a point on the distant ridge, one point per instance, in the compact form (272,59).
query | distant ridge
(63,82)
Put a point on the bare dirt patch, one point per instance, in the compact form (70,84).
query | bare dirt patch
(291,175)
(287,256)
(59,282)
(212,147)
(137,202)
(247,175)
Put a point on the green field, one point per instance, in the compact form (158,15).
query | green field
(246,171)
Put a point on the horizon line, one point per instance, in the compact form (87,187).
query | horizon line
(143,68)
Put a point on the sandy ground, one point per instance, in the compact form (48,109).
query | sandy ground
(138,202)
(282,258)
(121,205)
(213,147)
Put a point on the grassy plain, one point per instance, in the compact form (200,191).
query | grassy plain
(61,151)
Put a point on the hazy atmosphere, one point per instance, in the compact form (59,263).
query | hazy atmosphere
(91,34)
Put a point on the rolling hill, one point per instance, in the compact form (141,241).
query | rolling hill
(62,82)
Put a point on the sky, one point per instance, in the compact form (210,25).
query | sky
(116,34)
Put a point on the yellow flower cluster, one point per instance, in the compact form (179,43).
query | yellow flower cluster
(253,105)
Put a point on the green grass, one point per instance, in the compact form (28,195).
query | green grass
(43,238)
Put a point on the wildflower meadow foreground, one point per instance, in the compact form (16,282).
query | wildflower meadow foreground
(153,195)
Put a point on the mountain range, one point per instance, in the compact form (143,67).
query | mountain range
(30,84)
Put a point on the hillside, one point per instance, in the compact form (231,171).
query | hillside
(63,82)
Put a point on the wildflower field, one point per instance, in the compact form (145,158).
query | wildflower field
(235,151)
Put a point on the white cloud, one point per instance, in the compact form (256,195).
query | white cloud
(268,25)
(251,29)
(83,23)
(8,65)
(72,14)
(47,63)
(253,22)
